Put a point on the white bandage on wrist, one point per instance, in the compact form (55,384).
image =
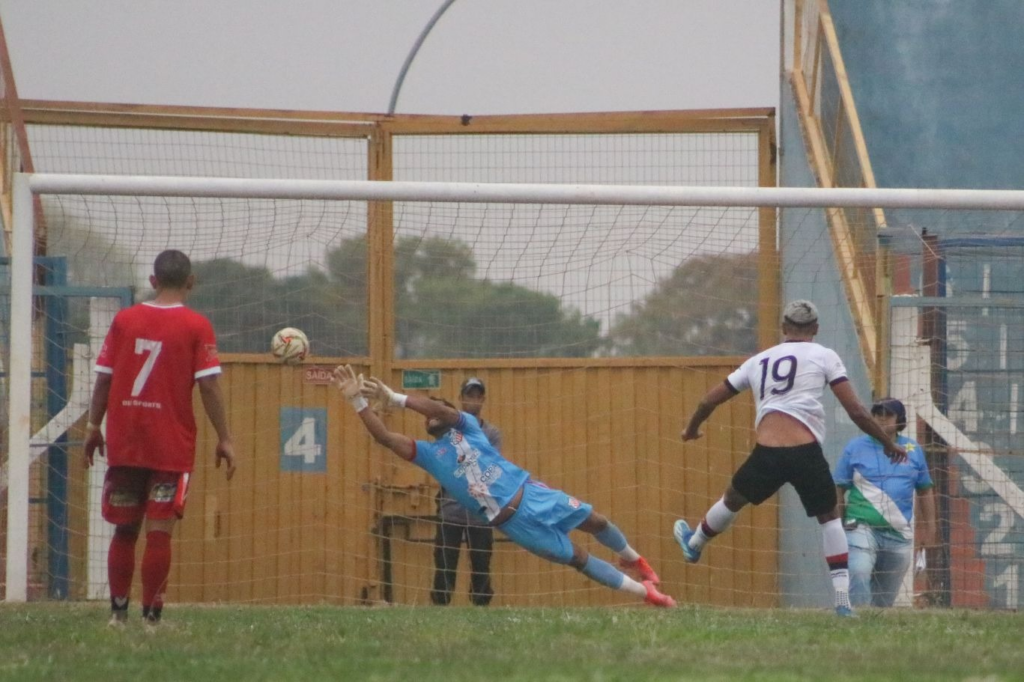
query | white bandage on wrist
(398,399)
(358,403)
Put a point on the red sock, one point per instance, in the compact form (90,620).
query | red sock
(156,564)
(121,564)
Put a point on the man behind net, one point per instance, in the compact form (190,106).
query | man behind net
(456,525)
(787,381)
(532,515)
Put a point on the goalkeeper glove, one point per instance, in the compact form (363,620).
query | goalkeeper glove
(375,389)
(351,386)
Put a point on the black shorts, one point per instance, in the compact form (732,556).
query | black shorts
(804,466)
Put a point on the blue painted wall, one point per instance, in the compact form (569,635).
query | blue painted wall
(938,88)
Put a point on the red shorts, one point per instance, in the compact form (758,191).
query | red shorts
(132,493)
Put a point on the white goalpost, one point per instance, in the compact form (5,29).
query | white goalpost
(622,254)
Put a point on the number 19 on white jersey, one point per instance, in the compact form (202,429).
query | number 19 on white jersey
(790,378)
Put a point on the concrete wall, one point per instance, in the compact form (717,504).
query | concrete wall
(809,271)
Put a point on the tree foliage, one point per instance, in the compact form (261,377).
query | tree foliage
(708,306)
(442,308)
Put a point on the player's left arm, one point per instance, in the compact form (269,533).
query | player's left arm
(711,400)
(97,409)
(206,369)
(398,443)
(101,391)
(213,403)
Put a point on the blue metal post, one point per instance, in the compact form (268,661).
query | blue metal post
(56,353)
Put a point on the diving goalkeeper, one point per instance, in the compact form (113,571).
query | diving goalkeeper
(534,516)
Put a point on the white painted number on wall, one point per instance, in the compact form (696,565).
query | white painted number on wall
(964,408)
(957,347)
(1008,580)
(995,544)
(303,442)
(153,348)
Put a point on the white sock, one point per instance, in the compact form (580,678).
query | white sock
(717,520)
(837,554)
(629,555)
(841,585)
(633,587)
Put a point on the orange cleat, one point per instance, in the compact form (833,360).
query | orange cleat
(655,598)
(642,569)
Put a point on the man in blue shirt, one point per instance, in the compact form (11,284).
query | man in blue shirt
(876,503)
(497,491)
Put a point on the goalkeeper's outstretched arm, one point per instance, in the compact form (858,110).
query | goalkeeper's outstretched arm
(375,389)
(354,389)
(398,443)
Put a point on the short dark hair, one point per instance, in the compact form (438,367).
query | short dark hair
(894,407)
(172,269)
(804,328)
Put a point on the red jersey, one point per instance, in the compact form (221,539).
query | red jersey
(155,354)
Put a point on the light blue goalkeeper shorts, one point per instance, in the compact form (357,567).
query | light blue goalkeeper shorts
(542,523)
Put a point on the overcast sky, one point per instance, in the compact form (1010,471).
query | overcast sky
(484,56)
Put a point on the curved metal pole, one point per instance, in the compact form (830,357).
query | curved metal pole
(412,53)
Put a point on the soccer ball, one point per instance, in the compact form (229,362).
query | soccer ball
(290,345)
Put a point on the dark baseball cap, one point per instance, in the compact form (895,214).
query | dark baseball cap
(472,382)
(891,406)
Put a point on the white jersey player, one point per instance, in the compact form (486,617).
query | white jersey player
(787,381)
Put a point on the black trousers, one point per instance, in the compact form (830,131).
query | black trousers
(447,545)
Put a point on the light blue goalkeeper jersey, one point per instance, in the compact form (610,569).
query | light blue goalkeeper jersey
(472,471)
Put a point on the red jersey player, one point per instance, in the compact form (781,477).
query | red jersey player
(153,355)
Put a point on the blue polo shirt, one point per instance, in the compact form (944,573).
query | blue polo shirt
(881,492)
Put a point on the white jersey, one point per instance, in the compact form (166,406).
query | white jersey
(790,378)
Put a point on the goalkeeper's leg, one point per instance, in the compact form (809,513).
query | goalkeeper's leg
(609,535)
(604,573)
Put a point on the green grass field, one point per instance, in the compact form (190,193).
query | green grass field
(205,644)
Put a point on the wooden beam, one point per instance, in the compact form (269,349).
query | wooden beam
(12,112)
(267,359)
(499,363)
(568,363)
(846,93)
(103,119)
(768,262)
(798,35)
(844,246)
(380,276)
(315,123)
(883,292)
(849,108)
(570,126)
(143,110)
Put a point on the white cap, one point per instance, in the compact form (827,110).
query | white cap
(800,312)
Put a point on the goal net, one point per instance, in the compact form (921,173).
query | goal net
(596,318)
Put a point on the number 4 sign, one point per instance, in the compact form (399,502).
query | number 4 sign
(303,439)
